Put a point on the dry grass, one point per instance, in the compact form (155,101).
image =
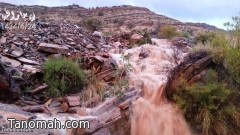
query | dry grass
(97,90)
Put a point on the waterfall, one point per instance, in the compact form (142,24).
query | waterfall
(152,113)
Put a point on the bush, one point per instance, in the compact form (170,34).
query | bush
(93,24)
(168,32)
(209,104)
(186,34)
(227,54)
(204,38)
(62,77)
(146,37)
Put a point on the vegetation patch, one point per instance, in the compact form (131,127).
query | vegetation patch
(209,104)
(213,103)
(93,24)
(168,32)
(63,76)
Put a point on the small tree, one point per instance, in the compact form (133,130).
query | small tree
(234,28)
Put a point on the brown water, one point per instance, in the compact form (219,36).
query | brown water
(153,114)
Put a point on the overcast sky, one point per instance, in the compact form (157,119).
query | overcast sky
(214,12)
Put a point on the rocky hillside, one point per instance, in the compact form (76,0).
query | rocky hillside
(113,19)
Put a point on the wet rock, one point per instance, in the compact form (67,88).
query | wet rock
(9,62)
(16,51)
(27,61)
(53,48)
(135,38)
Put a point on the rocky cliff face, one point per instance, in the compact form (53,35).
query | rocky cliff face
(114,19)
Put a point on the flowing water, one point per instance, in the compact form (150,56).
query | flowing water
(153,114)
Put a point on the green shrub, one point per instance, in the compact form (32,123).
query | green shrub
(186,34)
(209,104)
(226,53)
(62,77)
(168,32)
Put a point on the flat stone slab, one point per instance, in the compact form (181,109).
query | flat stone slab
(53,48)
(10,62)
